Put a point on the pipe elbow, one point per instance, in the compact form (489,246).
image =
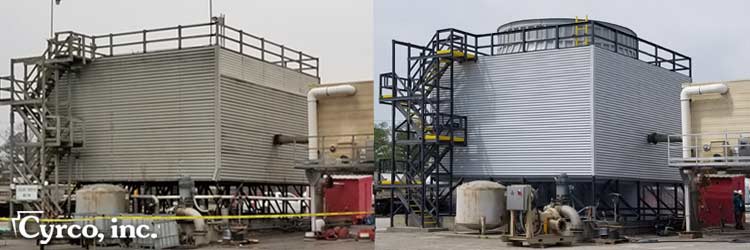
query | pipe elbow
(338,90)
(571,213)
(199,223)
(718,88)
(312,111)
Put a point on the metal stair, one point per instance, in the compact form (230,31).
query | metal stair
(426,129)
(50,132)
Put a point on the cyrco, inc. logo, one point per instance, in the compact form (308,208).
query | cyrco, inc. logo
(73,231)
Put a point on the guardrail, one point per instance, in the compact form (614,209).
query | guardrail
(197,35)
(727,149)
(343,150)
(563,36)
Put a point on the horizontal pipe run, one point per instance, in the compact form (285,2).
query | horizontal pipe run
(287,139)
(223,197)
(655,138)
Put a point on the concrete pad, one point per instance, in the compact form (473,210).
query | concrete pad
(470,235)
(415,229)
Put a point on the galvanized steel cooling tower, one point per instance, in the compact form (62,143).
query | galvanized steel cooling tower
(580,110)
(144,108)
(536,99)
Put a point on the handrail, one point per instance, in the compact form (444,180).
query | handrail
(704,147)
(357,146)
(656,55)
(178,37)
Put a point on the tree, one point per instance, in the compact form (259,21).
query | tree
(383,143)
(5,148)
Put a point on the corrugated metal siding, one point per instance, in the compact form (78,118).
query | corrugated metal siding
(147,116)
(250,116)
(262,73)
(259,100)
(632,99)
(529,114)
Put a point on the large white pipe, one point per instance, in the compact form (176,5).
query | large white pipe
(312,112)
(687,204)
(312,132)
(199,223)
(575,220)
(687,92)
(200,228)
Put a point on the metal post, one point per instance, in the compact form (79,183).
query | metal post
(111,46)
(639,197)
(476,47)
(676,200)
(241,41)
(217,33)
(300,60)
(262,49)
(557,36)
(512,223)
(283,63)
(12,140)
(179,36)
(93,47)
(617,204)
(658,201)
(422,146)
(492,45)
(144,41)
(451,134)
(393,130)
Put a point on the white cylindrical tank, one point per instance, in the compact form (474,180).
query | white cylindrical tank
(104,199)
(479,199)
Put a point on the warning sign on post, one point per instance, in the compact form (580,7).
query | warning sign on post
(27,192)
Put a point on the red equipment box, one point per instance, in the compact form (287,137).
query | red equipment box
(349,193)
(715,199)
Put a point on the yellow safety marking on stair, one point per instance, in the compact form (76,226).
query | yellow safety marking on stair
(444,138)
(206,217)
(387,96)
(456,53)
(388,182)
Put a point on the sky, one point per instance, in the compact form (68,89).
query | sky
(716,34)
(352,38)
(339,32)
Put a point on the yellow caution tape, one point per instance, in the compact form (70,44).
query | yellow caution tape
(205,217)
